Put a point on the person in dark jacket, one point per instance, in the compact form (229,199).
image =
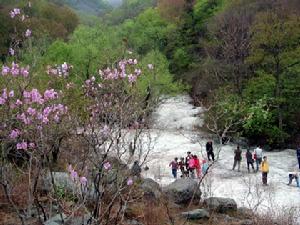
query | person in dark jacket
(210,151)
(250,160)
(181,165)
(298,155)
(237,158)
(187,159)
(136,169)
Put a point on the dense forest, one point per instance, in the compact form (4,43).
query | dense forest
(239,58)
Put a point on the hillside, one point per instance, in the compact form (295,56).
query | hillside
(95,7)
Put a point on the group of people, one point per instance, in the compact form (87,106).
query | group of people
(257,157)
(189,166)
(192,166)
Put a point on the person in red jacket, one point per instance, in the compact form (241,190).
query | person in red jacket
(197,166)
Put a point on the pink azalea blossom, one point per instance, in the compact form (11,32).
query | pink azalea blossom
(12,14)
(28,33)
(150,67)
(36,96)
(74,175)
(17,11)
(5,70)
(11,94)
(26,94)
(130,61)
(2,101)
(24,71)
(23,145)
(107,165)
(18,102)
(31,145)
(138,72)
(11,51)
(50,94)
(83,181)
(31,111)
(131,78)
(129,182)
(70,168)
(45,119)
(4,93)
(14,134)
(135,61)
(56,118)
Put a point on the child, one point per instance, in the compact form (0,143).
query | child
(204,167)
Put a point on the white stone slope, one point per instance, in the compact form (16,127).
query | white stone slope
(175,119)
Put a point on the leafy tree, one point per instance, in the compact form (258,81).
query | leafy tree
(275,47)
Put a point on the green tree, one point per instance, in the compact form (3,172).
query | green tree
(275,50)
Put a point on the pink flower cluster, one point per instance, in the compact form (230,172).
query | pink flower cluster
(34,96)
(14,134)
(43,116)
(13,13)
(25,145)
(6,95)
(75,178)
(28,33)
(62,70)
(121,71)
(15,70)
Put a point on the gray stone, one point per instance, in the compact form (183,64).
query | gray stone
(245,211)
(220,205)
(134,222)
(181,191)
(63,180)
(151,189)
(78,220)
(196,214)
(56,220)
(246,222)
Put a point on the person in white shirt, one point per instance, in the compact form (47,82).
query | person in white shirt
(258,155)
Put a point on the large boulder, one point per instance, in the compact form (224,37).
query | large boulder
(196,214)
(181,191)
(56,220)
(220,205)
(151,189)
(62,180)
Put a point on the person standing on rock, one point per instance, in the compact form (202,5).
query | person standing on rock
(192,167)
(187,159)
(197,166)
(264,170)
(298,155)
(237,158)
(174,166)
(258,152)
(181,165)
(250,160)
(210,151)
